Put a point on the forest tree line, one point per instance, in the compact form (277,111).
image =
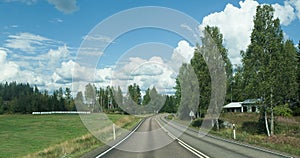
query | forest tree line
(25,99)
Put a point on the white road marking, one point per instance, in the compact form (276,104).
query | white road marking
(182,143)
(106,151)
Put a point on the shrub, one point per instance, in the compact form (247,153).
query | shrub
(283,110)
(197,122)
(250,127)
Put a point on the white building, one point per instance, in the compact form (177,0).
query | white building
(249,105)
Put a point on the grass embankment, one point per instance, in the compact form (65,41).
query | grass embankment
(50,135)
(286,138)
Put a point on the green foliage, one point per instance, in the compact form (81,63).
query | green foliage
(189,92)
(204,80)
(135,93)
(269,67)
(24,99)
(170,105)
(170,117)
(197,122)
(283,110)
(238,86)
(146,97)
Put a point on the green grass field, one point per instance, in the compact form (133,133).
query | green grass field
(21,135)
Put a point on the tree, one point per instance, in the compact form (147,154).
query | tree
(146,97)
(135,93)
(102,97)
(189,96)
(212,52)
(169,105)
(79,102)
(266,64)
(237,85)
(204,80)
(156,101)
(118,96)
(90,96)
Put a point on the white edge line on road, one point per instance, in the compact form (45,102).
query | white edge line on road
(182,143)
(186,147)
(106,151)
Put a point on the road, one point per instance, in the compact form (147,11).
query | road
(156,137)
(148,137)
(216,147)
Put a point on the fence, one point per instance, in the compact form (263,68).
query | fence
(61,112)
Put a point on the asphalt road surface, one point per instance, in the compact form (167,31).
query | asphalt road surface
(152,141)
(157,137)
(215,147)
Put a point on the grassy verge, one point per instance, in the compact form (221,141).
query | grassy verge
(287,138)
(48,135)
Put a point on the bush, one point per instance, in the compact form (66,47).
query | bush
(197,122)
(283,110)
(170,117)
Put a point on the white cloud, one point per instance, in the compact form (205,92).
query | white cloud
(56,56)
(100,38)
(71,70)
(56,20)
(285,13)
(11,71)
(153,71)
(28,2)
(296,4)
(8,69)
(236,25)
(183,53)
(27,42)
(65,6)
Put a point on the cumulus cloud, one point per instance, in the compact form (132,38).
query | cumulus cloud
(65,6)
(8,70)
(55,56)
(285,13)
(183,53)
(296,4)
(236,23)
(11,71)
(154,71)
(72,71)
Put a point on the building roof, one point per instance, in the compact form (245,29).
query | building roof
(233,105)
(252,101)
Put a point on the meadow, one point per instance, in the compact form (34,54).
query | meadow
(22,135)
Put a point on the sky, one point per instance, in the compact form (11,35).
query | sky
(59,43)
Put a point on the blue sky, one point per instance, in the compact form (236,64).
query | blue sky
(39,39)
